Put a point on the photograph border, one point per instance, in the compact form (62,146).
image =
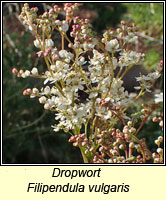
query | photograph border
(82,164)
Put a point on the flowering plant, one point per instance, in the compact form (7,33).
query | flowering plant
(83,90)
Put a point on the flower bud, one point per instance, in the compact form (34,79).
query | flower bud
(53,67)
(155,119)
(129,123)
(160,139)
(156,160)
(131,145)
(35,91)
(14,71)
(49,43)
(123,22)
(27,73)
(121,146)
(112,45)
(47,106)
(154,155)
(42,99)
(47,90)
(160,151)
(34,71)
(64,27)
(125,129)
(132,130)
(37,43)
(27,91)
(161,123)
(157,142)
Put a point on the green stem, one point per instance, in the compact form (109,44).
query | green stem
(126,70)
(85,159)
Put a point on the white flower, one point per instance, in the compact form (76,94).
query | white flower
(131,38)
(42,99)
(56,129)
(159,150)
(49,43)
(35,91)
(143,78)
(81,61)
(129,57)
(63,54)
(30,28)
(50,102)
(112,45)
(108,115)
(67,60)
(53,67)
(159,97)
(93,95)
(38,43)
(154,75)
(27,73)
(47,106)
(34,71)
(64,26)
(146,81)
(47,90)
(98,58)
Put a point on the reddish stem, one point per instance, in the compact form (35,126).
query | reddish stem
(120,118)
(147,116)
(126,154)
(130,152)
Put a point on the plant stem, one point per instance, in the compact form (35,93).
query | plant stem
(62,40)
(147,116)
(83,156)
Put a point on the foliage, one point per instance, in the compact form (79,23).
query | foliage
(149,19)
(147,16)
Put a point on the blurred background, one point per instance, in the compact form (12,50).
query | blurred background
(27,134)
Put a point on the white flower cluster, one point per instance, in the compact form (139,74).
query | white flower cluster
(48,43)
(81,85)
(112,45)
(159,97)
(131,38)
(68,83)
(146,81)
(72,110)
(70,114)
(129,58)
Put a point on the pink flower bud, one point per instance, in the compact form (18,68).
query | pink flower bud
(161,63)
(78,27)
(47,106)
(85,37)
(14,71)
(123,22)
(86,21)
(35,91)
(83,144)
(27,91)
(39,53)
(161,123)
(125,129)
(155,119)
(72,138)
